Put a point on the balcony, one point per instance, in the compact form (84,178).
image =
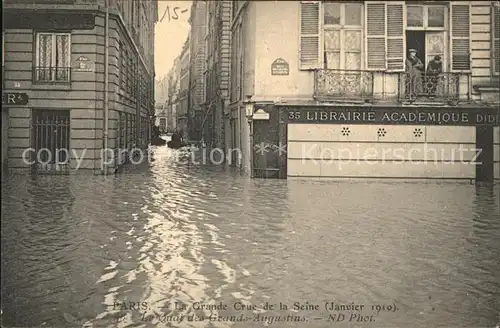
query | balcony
(343,85)
(56,75)
(442,88)
(358,86)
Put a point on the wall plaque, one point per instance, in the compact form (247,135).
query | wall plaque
(14,98)
(83,64)
(280,67)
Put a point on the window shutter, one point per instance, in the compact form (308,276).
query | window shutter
(496,39)
(460,36)
(375,35)
(395,36)
(310,32)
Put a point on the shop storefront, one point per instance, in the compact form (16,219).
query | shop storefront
(377,142)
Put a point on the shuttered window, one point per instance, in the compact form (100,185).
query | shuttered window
(375,25)
(496,40)
(395,36)
(310,33)
(343,35)
(460,37)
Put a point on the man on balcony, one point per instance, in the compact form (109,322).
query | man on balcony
(414,67)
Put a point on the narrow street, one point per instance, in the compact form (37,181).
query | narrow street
(77,251)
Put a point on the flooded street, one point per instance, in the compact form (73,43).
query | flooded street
(169,238)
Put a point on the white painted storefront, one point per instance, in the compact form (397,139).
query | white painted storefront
(384,151)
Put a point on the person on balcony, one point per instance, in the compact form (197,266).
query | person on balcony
(434,69)
(414,67)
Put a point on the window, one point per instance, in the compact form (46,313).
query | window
(425,16)
(134,78)
(120,68)
(336,35)
(130,76)
(436,16)
(53,55)
(415,16)
(123,67)
(123,125)
(129,131)
(342,35)
(426,32)
(496,40)
(126,70)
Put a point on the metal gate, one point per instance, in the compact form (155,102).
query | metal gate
(50,141)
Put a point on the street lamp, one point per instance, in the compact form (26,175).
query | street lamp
(249,109)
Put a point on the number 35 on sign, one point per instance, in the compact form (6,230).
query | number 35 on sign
(294,115)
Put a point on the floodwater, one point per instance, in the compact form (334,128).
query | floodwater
(151,246)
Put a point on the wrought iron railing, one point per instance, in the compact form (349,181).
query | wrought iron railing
(380,86)
(51,137)
(52,74)
(443,87)
(343,84)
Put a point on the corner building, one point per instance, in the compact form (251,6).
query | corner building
(322,89)
(55,53)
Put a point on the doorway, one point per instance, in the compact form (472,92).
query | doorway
(51,136)
(416,40)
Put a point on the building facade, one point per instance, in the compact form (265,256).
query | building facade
(161,116)
(5,116)
(184,94)
(73,68)
(218,69)
(173,97)
(197,108)
(316,86)
(161,101)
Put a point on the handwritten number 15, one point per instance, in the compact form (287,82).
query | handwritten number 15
(174,15)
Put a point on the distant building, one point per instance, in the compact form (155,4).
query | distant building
(218,69)
(161,101)
(161,116)
(173,98)
(197,110)
(183,99)
(55,54)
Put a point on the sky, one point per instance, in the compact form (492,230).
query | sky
(170,34)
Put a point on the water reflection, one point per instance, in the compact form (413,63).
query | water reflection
(118,251)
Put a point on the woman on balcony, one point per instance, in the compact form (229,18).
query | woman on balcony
(434,69)
(414,67)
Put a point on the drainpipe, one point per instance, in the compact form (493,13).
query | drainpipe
(106,80)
